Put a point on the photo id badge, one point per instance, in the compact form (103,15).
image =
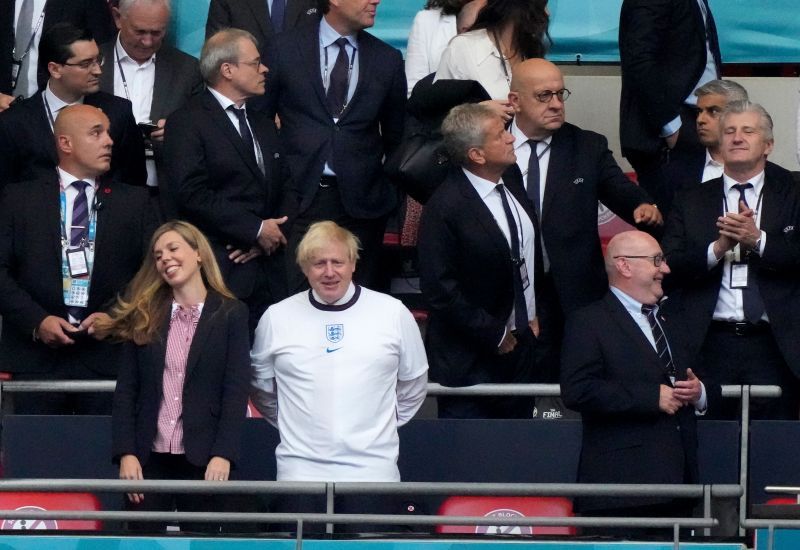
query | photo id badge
(76,259)
(15,68)
(523,274)
(739,274)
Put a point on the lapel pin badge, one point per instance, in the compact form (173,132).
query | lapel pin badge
(577,181)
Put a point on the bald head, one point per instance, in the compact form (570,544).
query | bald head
(530,80)
(82,141)
(630,263)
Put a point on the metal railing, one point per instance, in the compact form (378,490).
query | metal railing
(330,517)
(744,393)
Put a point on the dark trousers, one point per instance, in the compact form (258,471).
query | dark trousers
(70,368)
(169,466)
(727,358)
(656,171)
(673,509)
(327,205)
(515,367)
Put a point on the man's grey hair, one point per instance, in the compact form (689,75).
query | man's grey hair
(221,47)
(463,129)
(124,6)
(732,91)
(738,107)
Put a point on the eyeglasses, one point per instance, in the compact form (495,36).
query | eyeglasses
(547,95)
(87,64)
(658,259)
(253,64)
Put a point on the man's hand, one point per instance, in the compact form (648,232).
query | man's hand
(239,256)
(508,344)
(648,214)
(667,402)
(88,324)
(740,227)
(271,237)
(218,469)
(688,391)
(158,135)
(129,468)
(534,325)
(54,332)
(672,140)
(5,101)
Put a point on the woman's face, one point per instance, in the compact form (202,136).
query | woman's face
(176,261)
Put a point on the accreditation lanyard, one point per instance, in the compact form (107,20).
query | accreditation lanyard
(326,83)
(77,263)
(16,62)
(737,251)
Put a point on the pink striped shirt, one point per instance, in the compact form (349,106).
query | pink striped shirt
(182,324)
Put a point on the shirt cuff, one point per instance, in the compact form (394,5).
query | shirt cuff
(505,331)
(671,127)
(761,243)
(260,227)
(701,407)
(711,259)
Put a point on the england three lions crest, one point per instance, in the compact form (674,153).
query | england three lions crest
(334,333)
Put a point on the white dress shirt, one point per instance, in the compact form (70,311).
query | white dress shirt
(712,169)
(33,54)
(429,36)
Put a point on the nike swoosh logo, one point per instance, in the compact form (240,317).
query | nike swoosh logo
(331,350)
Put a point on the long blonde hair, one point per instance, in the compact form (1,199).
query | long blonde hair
(141,311)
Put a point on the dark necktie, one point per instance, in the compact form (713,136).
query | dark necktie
(520,306)
(276,14)
(21,40)
(79,232)
(246,134)
(533,189)
(80,215)
(662,349)
(713,39)
(752,304)
(338,84)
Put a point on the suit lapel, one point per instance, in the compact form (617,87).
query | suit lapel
(261,15)
(109,68)
(156,353)
(308,47)
(220,118)
(632,330)
(484,216)
(364,53)
(772,202)
(210,307)
(51,204)
(556,171)
(161,84)
(710,208)
(40,125)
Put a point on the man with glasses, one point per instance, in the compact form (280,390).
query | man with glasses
(734,246)
(154,76)
(74,63)
(625,370)
(226,171)
(566,171)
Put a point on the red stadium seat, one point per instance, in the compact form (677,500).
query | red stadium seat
(48,502)
(506,507)
(782,501)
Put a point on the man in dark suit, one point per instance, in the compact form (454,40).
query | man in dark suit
(261,18)
(58,272)
(26,136)
(37,17)
(226,171)
(155,77)
(668,48)
(479,267)
(340,94)
(569,172)
(625,371)
(734,246)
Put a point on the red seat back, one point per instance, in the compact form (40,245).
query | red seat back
(47,502)
(506,507)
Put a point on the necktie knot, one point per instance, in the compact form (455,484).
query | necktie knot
(741,188)
(649,309)
(80,185)
(342,42)
(240,113)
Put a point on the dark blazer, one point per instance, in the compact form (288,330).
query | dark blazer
(253,16)
(662,47)
(30,268)
(214,179)
(691,227)
(466,275)
(177,79)
(581,172)
(370,127)
(85,14)
(214,392)
(612,375)
(29,148)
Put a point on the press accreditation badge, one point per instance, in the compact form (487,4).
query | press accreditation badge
(739,273)
(78,293)
(15,68)
(523,274)
(76,260)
